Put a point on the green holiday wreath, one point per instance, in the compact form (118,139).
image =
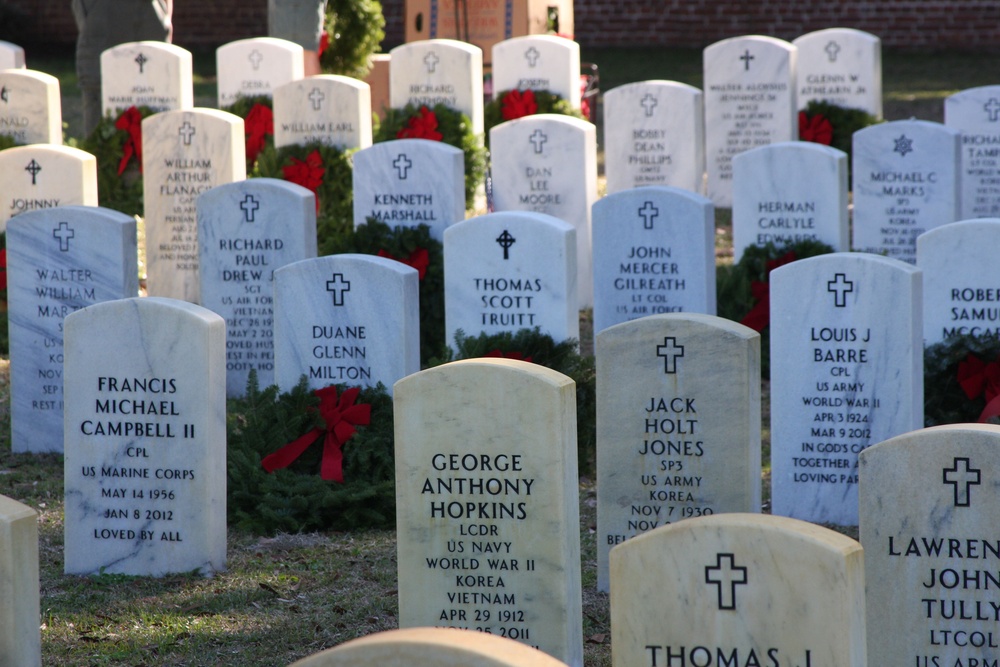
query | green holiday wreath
(258,125)
(325,170)
(440,123)
(743,288)
(116,142)
(296,498)
(7,141)
(534,346)
(513,104)
(354,29)
(961,380)
(413,246)
(832,125)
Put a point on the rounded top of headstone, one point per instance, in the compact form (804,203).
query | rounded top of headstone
(724,44)
(255,41)
(838,258)
(507,218)
(910,124)
(554,39)
(826,33)
(549,119)
(33,75)
(416,647)
(472,49)
(658,83)
(147,306)
(950,432)
(988,225)
(74,211)
(783,147)
(34,149)
(489,368)
(11,510)
(700,320)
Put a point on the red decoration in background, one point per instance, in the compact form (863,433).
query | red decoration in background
(418,259)
(3,268)
(517,356)
(978,378)
(131,122)
(308,174)
(259,124)
(760,315)
(584,102)
(324,43)
(421,126)
(518,104)
(340,417)
(817,129)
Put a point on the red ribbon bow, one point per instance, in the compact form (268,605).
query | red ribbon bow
(421,126)
(324,43)
(340,418)
(131,122)
(258,125)
(817,129)
(978,378)
(517,356)
(418,259)
(517,104)
(308,173)
(3,268)
(760,315)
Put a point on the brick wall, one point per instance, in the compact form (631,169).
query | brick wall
(927,24)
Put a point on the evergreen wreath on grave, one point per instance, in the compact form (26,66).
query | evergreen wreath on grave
(513,104)
(325,170)
(414,246)
(832,125)
(116,142)
(744,288)
(258,125)
(533,346)
(962,381)
(7,141)
(353,31)
(297,498)
(440,123)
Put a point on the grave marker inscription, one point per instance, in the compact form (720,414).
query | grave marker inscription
(30,108)
(151,74)
(44,176)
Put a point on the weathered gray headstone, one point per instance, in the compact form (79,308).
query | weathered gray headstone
(145,462)
(30,108)
(961,275)
(256,66)
(20,640)
(185,153)
(346,319)
(409,182)
(654,252)
(790,192)
(152,74)
(438,71)
(511,271)
(11,56)
(44,176)
(654,134)
(976,114)
(842,66)
(327,108)
(59,260)
(927,507)
(906,181)
(749,102)
(547,163)
(738,589)
(538,62)
(846,372)
(678,424)
(246,231)
(487,503)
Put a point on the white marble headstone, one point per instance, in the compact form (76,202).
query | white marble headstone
(547,163)
(842,66)
(256,66)
(145,462)
(738,589)
(329,109)
(511,271)
(789,192)
(846,372)
(906,181)
(185,153)
(961,279)
(410,182)
(487,503)
(538,62)
(438,71)
(678,424)
(11,56)
(654,134)
(44,176)
(152,74)
(346,319)
(654,252)
(749,101)
(20,639)
(246,231)
(30,107)
(59,260)
(928,527)
(976,114)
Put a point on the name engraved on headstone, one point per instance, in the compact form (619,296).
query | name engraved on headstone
(148,73)
(841,66)
(30,108)
(538,62)
(329,109)
(42,176)
(256,66)
(976,114)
